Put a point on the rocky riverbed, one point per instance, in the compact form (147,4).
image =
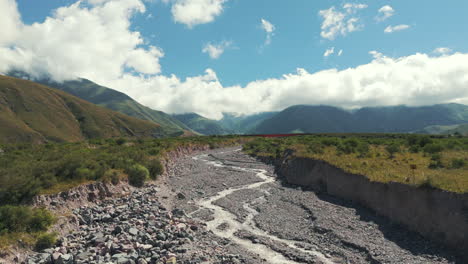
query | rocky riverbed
(222,206)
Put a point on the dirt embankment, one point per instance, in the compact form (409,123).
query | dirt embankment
(438,215)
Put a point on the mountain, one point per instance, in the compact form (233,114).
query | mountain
(117,101)
(201,124)
(244,124)
(395,119)
(446,130)
(30,112)
(111,99)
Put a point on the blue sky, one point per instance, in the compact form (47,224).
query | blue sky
(153,51)
(296,42)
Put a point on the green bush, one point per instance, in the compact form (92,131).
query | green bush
(433,148)
(120,141)
(46,240)
(315,147)
(363,149)
(436,161)
(83,174)
(458,163)
(137,175)
(24,219)
(111,176)
(41,220)
(155,169)
(392,149)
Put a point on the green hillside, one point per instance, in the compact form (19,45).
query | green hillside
(446,130)
(244,124)
(397,119)
(30,112)
(202,125)
(119,102)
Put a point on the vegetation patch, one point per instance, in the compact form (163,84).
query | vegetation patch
(27,170)
(434,161)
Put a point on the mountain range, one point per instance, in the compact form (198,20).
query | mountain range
(436,119)
(394,119)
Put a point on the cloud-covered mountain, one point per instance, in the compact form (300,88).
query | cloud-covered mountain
(397,119)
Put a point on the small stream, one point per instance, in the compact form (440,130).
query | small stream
(222,216)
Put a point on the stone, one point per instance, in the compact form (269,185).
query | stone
(65,259)
(181,196)
(133,231)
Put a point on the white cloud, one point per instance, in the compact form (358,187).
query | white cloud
(443,51)
(375,54)
(384,13)
(269,28)
(413,80)
(87,39)
(10,21)
(391,29)
(336,22)
(329,52)
(340,52)
(352,8)
(196,12)
(216,50)
(95,42)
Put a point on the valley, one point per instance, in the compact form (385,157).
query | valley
(233,209)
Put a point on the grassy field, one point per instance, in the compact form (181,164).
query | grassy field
(438,162)
(27,170)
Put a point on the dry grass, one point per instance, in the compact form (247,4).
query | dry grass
(62,186)
(404,167)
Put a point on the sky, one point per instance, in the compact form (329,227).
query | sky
(239,56)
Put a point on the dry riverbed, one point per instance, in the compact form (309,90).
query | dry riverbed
(222,206)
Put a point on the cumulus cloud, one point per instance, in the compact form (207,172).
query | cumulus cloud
(95,42)
(329,52)
(340,22)
(195,12)
(384,13)
(391,29)
(269,28)
(216,50)
(418,79)
(89,39)
(442,51)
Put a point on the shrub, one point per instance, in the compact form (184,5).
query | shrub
(315,147)
(83,174)
(392,149)
(330,141)
(24,219)
(363,149)
(436,161)
(155,168)
(46,240)
(120,141)
(348,146)
(415,149)
(137,175)
(425,140)
(458,163)
(41,220)
(432,148)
